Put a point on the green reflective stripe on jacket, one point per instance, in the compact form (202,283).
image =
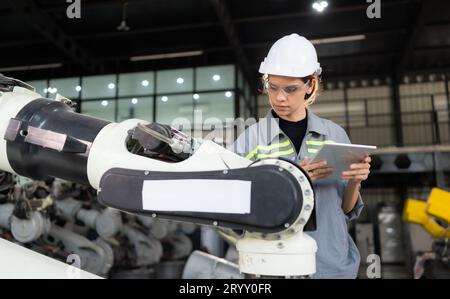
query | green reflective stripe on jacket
(312,150)
(267,148)
(276,154)
(314,142)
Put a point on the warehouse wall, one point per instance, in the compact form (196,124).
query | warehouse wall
(366,112)
(420,103)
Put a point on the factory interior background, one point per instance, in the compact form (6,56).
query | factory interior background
(385,80)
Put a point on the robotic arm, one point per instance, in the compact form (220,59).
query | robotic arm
(434,216)
(154,170)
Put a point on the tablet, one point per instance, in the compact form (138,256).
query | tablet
(341,155)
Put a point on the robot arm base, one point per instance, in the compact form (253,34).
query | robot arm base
(291,257)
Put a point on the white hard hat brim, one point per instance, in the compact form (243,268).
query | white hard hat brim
(271,70)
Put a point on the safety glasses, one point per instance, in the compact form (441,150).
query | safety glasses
(287,90)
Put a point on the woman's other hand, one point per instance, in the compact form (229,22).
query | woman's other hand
(358,172)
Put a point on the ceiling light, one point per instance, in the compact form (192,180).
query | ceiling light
(196,96)
(31,67)
(134,101)
(180,80)
(166,55)
(320,5)
(52,90)
(144,83)
(111,85)
(164,99)
(104,103)
(228,94)
(216,77)
(339,39)
(78,88)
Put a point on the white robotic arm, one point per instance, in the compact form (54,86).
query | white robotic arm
(154,170)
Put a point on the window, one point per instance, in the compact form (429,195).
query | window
(67,87)
(174,107)
(135,107)
(95,87)
(134,93)
(136,84)
(172,81)
(215,105)
(40,86)
(103,109)
(215,77)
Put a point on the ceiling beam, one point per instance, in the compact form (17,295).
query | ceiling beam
(405,53)
(228,48)
(369,34)
(413,35)
(43,24)
(230,31)
(81,37)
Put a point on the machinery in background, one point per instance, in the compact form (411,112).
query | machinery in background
(434,216)
(390,228)
(381,238)
(365,240)
(201,265)
(58,218)
(399,173)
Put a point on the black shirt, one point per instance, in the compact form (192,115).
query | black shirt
(295,130)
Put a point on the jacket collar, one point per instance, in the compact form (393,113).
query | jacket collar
(315,124)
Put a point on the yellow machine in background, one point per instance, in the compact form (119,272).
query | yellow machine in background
(426,213)
(434,216)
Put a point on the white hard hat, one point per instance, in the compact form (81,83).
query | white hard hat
(292,56)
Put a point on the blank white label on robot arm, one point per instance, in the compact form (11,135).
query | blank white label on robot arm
(197,195)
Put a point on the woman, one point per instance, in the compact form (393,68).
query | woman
(290,130)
